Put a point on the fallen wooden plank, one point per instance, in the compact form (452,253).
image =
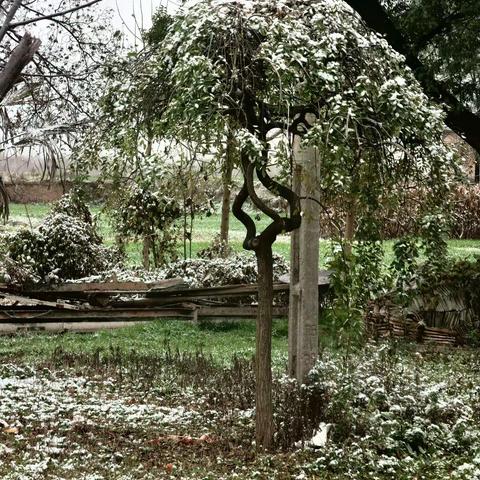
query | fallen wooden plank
(244,311)
(174,291)
(34,301)
(58,327)
(323,278)
(44,315)
(40,314)
(93,287)
(221,291)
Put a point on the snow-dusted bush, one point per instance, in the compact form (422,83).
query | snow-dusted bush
(235,270)
(72,204)
(142,213)
(63,247)
(398,414)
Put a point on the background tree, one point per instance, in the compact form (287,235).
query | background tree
(53,96)
(439,39)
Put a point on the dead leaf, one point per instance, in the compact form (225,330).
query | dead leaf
(13,430)
(206,438)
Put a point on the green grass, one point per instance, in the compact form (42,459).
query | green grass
(205,230)
(220,340)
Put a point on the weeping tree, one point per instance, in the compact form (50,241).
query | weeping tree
(265,72)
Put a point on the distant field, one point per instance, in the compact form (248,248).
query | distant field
(205,229)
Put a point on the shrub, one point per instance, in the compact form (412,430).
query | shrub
(466,212)
(235,270)
(63,247)
(149,216)
(218,249)
(73,205)
(143,212)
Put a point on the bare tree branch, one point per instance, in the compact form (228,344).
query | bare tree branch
(52,15)
(11,13)
(20,57)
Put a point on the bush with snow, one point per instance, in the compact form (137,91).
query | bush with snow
(65,246)
(234,270)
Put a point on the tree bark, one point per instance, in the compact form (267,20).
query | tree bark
(19,58)
(263,356)
(227,185)
(459,118)
(5,206)
(8,19)
(477,168)
(349,229)
(120,243)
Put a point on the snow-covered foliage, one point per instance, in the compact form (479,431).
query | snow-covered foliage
(197,272)
(314,69)
(308,57)
(66,245)
(234,270)
(399,416)
(144,212)
(114,414)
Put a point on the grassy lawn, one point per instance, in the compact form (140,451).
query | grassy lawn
(174,399)
(206,228)
(217,340)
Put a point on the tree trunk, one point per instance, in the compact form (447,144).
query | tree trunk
(263,356)
(227,185)
(120,243)
(294,296)
(477,168)
(307,328)
(19,58)
(5,205)
(349,230)
(148,148)
(147,243)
